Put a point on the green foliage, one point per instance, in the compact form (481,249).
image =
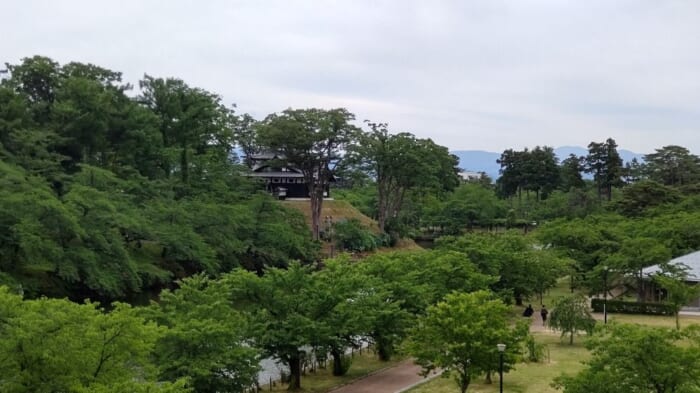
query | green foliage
(633,358)
(535,352)
(678,292)
(640,196)
(523,269)
(298,307)
(468,206)
(571,315)
(108,196)
(52,345)
(459,335)
(605,163)
(672,165)
(401,164)
(310,140)
(528,170)
(206,341)
(351,235)
(631,307)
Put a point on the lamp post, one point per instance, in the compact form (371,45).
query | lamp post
(605,294)
(501,349)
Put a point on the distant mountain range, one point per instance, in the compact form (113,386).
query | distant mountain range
(485,161)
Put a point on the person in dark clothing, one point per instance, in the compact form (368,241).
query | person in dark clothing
(528,311)
(544,313)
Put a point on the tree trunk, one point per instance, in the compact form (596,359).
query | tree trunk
(337,362)
(316,206)
(384,349)
(571,338)
(678,322)
(295,373)
(464,380)
(488,378)
(518,299)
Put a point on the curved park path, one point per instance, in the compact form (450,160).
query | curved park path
(395,379)
(405,375)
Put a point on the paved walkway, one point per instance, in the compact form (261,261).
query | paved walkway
(405,375)
(391,380)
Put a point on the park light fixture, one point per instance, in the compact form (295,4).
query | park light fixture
(501,349)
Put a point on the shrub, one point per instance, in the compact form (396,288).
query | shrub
(535,351)
(623,307)
(351,235)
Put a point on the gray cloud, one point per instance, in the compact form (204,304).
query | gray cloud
(488,74)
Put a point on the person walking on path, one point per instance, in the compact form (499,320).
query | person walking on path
(544,313)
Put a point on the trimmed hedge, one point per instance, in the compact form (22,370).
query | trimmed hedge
(622,307)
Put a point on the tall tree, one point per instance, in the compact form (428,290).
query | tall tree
(678,292)
(605,163)
(460,334)
(54,345)
(37,78)
(205,341)
(311,140)
(570,315)
(400,163)
(570,170)
(634,358)
(192,122)
(637,253)
(673,166)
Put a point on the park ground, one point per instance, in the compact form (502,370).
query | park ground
(368,375)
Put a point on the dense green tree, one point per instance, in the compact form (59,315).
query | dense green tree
(672,166)
(282,308)
(348,306)
(414,281)
(634,171)
(634,255)
(294,309)
(634,358)
(36,78)
(605,164)
(206,341)
(192,122)
(400,163)
(570,315)
(679,293)
(528,170)
(459,335)
(468,206)
(245,135)
(312,141)
(52,345)
(642,195)
(523,270)
(570,172)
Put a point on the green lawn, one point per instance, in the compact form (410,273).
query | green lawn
(527,377)
(537,377)
(323,380)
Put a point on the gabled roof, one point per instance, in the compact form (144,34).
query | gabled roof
(277,174)
(692,261)
(264,156)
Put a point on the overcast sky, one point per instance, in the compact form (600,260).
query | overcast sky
(470,75)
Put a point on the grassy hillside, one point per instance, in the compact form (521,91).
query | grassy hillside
(343,210)
(339,210)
